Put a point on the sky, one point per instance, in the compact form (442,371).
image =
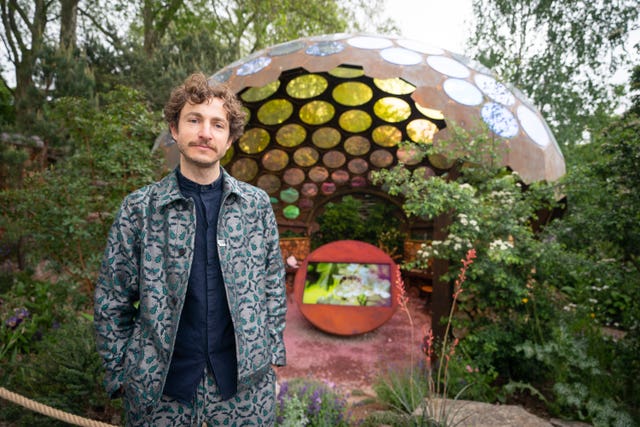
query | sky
(446,23)
(440,23)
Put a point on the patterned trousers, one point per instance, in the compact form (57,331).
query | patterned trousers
(249,407)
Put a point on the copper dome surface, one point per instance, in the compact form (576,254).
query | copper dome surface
(326,111)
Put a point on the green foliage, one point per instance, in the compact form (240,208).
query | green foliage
(63,371)
(403,390)
(388,418)
(358,219)
(597,260)
(574,48)
(69,206)
(310,403)
(531,311)
(466,379)
(29,309)
(579,364)
(7,109)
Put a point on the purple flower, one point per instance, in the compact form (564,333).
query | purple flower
(21,313)
(13,322)
(314,402)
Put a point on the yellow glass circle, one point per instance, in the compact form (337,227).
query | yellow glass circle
(306,156)
(326,137)
(244,169)
(394,86)
(347,72)
(386,136)
(228,156)
(421,130)
(307,86)
(357,145)
(247,116)
(254,94)
(430,112)
(254,141)
(391,109)
(355,121)
(352,93)
(275,111)
(291,135)
(317,112)
(275,160)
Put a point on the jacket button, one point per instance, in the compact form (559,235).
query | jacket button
(182,251)
(149,410)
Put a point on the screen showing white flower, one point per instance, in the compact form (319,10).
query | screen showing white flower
(348,284)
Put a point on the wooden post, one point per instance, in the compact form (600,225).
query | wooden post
(442,297)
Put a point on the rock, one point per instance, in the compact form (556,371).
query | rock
(478,414)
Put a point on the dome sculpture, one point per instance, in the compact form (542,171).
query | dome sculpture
(324,112)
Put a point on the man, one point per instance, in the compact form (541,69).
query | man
(190,302)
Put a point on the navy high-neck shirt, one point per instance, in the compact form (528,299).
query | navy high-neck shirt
(205,335)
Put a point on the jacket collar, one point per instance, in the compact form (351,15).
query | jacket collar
(169,190)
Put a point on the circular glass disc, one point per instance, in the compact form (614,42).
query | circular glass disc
(307,86)
(291,135)
(352,93)
(254,141)
(317,112)
(355,121)
(275,111)
(391,109)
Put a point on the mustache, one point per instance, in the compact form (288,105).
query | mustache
(201,144)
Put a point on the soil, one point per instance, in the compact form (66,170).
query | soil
(352,363)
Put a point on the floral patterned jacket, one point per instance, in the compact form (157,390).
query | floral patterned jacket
(143,280)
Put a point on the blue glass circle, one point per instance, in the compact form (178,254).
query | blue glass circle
(325,48)
(500,120)
(253,66)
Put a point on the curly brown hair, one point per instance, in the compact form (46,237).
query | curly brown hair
(196,89)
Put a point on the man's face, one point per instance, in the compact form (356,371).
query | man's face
(202,134)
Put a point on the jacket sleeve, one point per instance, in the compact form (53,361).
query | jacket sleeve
(275,289)
(115,296)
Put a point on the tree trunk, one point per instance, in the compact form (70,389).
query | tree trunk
(68,25)
(25,56)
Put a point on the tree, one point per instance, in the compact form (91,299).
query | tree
(24,25)
(69,206)
(562,54)
(149,44)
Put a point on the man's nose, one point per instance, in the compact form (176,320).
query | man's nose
(206,131)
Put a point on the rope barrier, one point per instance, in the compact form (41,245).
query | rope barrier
(49,411)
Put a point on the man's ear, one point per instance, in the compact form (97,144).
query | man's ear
(174,131)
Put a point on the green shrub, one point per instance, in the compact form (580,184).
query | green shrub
(63,371)
(29,309)
(358,218)
(403,389)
